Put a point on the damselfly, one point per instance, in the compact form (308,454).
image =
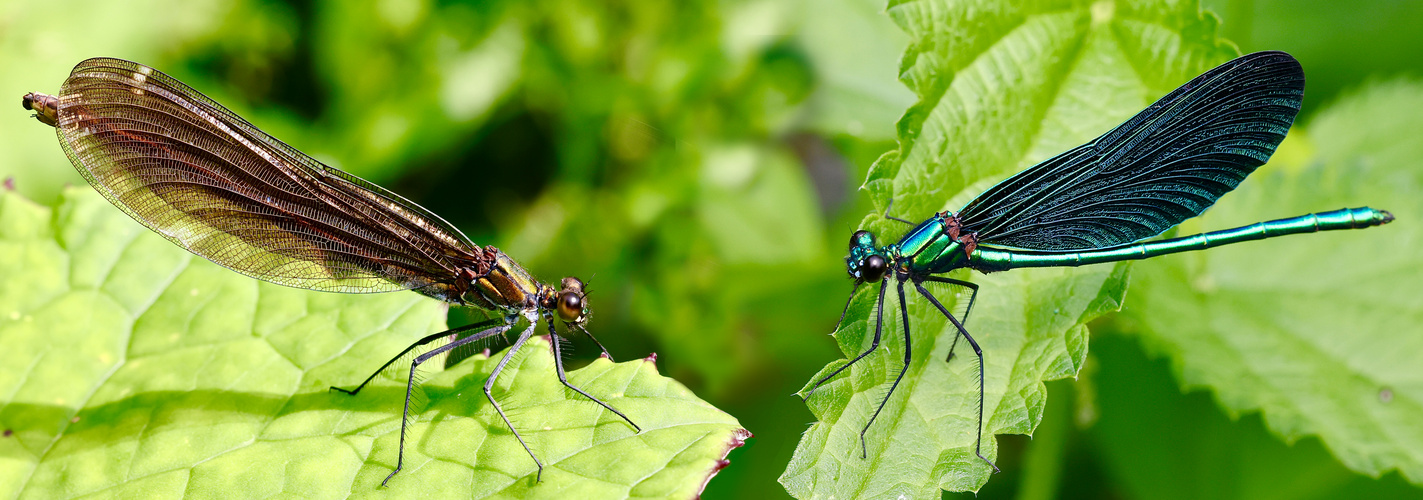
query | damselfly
(1097,202)
(209,181)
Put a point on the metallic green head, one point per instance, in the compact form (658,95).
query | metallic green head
(866,261)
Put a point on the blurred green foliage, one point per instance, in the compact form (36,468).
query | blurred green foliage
(695,161)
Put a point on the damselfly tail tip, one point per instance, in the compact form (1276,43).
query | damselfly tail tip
(46,107)
(1386,217)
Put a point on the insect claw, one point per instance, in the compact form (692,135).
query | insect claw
(987,461)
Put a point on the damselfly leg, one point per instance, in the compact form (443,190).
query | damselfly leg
(904,318)
(585,331)
(558,364)
(973,294)
(890,205)
(489,387)
(410,385)
(431,338)
(879,325)
(978,443)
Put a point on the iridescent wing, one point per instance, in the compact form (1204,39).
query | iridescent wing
(209,181)
(1165,165)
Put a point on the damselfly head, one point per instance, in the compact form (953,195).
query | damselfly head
(46,107)
(862,239)
(865,262)
(571,303)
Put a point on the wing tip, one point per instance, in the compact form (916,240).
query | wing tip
(1276,58)
(102,62)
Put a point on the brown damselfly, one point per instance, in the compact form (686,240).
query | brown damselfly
(209,181)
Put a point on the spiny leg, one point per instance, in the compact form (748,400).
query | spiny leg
(585,331)
(558,364)
(969,309)
(973,288)
(418,343)
(978,445)
(410,386)
(489,385)
(879,324)
(847,305)
(891,217)
(904,316)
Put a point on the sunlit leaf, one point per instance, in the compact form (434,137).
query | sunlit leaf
(132,368)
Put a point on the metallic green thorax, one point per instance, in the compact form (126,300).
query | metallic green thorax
(931,248)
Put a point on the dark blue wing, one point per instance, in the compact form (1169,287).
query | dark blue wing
(1165,165)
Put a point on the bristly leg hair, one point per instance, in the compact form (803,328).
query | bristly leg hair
(399,369)
(503,389)
(418,398)
(565,347)
(461,353)
(957,298)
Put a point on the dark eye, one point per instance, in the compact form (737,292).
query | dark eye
(874,268)
(570,306)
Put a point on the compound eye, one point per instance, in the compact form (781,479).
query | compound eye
(874,268)
(570,306)
(861,237)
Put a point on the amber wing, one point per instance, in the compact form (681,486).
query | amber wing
(209,181)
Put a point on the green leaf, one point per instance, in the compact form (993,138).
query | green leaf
(1319,333)
(1001,86)
(131,367)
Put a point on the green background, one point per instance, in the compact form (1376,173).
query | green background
(697,163)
